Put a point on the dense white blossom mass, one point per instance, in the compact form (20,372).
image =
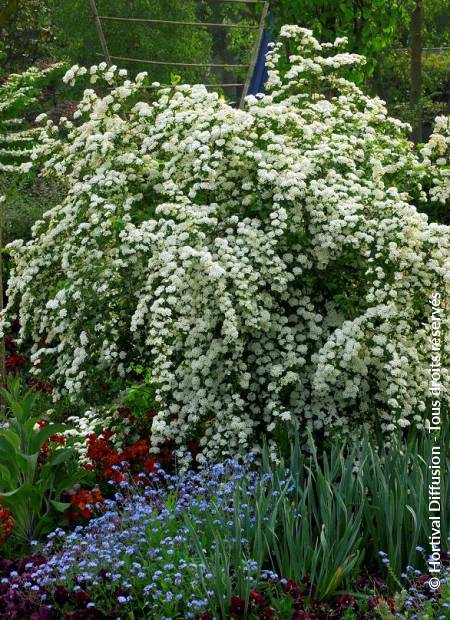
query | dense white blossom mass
(266,266)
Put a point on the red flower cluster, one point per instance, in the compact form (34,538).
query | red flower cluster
(15,362)
(57,439)
(308,607)
(83,503)
(38,386)
(7,524)
(105,459)
(256,602)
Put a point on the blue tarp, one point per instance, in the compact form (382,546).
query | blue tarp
(260,74)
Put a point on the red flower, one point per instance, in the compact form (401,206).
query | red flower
(81,598)
(38,386)
(7,524)
(14,362)
(194,449)
(293,588)
(301,614)
(9,343)
(266,614)
(391,604)
(237,607)
(61,595)
(345,600)
(125,412)
(56,438)
(44,613)
(257,598)
(104,457)
(84,502)
(150,465)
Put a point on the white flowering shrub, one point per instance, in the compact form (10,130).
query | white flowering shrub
(265,266)
(436,156)
(18,94)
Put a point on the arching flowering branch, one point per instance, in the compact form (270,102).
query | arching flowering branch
(266,266)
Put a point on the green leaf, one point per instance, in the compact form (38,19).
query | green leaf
(12,437)
(43,435)
(6,478)
(60,506)
(61,456)
(27,462)
(7,448)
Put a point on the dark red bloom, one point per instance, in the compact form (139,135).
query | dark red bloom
(86,614)
(194,448)
(61,595)
(391,604)
(293,589)
(14,362)
(237,607)
(9,343)
(257,598)
(266,614)
(301,614)
(345,600)
(120,592)
(38,386)
(56,438)
(44,613)
(7,524)
(81,598)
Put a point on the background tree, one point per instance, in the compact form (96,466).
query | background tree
(27,33)
(78,38)
(369,25)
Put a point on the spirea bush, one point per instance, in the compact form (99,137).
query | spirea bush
(264,266)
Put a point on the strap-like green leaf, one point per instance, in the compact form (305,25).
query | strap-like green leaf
(60,506)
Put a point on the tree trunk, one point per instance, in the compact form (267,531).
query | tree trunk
(416,70)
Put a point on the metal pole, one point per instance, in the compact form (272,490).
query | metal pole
(172,63)
(255,53)
(2,341)
(100,33)
(142,20)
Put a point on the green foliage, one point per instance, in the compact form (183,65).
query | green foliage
(19,95)
(436,25)
(27,34)
(318,532)
(370,25)
(27,197)
(32,489)
(392,83)
(165,42)
(322,514)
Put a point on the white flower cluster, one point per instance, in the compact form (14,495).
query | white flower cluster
(436,154)
(266,266)
(17,95)
(96,420)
